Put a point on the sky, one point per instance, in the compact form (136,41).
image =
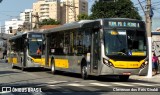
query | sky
(11,9)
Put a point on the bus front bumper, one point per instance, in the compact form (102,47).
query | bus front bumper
(125,71)
(33,64)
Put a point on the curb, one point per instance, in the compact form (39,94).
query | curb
(155,78)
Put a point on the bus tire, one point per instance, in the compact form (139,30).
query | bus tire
(52,66)
(84,72)
(124,77)
(22,68)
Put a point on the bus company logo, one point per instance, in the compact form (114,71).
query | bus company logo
(6,89)
(14,89)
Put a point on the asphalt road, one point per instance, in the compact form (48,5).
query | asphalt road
(38,81)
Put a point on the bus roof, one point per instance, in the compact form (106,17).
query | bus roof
(155,33)
(68,26)
(82,23)
(22,34)
(121,19)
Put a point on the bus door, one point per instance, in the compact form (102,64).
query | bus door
(95,52)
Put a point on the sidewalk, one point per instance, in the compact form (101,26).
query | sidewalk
(155,78)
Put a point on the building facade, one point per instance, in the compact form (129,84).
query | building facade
(46,9)
(26,15)
(12,26)
(73,8)
(65,11)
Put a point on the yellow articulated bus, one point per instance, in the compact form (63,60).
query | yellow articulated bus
(109,46)
(26,49)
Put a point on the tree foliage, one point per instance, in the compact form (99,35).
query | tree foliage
(82,17)
(120,8)
(49,22)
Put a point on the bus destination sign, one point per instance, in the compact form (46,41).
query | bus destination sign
(36,35)
(123,24)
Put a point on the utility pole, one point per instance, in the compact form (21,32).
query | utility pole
(72,8)
(148,28)
(37,20)
(31,21)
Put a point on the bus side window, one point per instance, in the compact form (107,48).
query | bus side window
(57,43)
(87,41)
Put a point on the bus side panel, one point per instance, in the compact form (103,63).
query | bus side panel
(68,63)
(62,63)
(43,61)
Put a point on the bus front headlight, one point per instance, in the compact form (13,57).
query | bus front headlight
(144,64)
(30,60)
(107,62)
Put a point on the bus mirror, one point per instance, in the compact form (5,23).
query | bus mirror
(75,51)
(26,42)
(88,57)
(52,51)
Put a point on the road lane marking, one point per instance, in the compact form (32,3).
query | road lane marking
(122,84)
(75,84)
(142,84)
(7,93)
(51,85)
(59,88)
(56,82)
(99,84)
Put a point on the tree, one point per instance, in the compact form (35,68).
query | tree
(49,22)
(26,26)
(82,17)
(120,8)
(1,1)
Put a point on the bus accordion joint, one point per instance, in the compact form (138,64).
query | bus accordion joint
(107,62)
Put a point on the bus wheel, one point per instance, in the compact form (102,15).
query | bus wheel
(22,64)
(22,68)
(124,77)
(84,72)
(52,67)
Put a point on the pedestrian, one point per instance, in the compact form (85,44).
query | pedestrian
(155,63)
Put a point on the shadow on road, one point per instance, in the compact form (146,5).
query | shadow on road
(8,72)
(98,78)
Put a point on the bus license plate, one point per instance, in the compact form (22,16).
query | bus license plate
(127,73)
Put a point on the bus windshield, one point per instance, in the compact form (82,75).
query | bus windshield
(125,42)
(35,46)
